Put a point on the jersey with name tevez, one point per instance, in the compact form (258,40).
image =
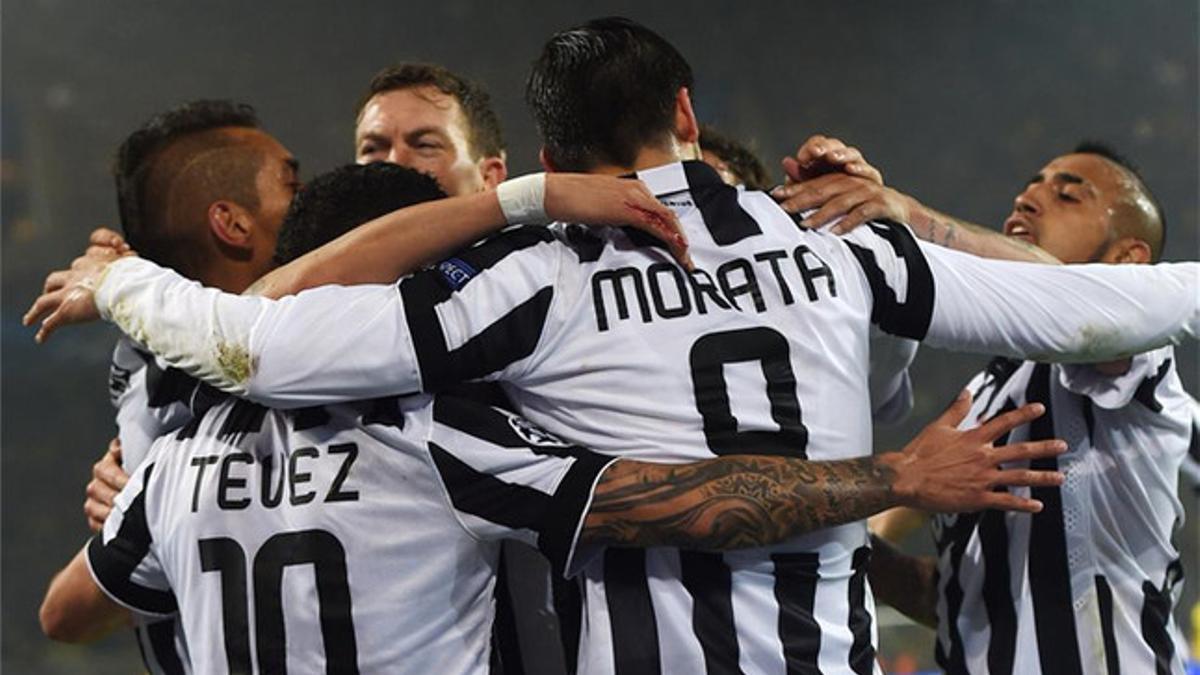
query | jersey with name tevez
(1089,584)
(354,538)
(763,349)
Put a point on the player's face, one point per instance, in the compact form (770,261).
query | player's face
(277,182)
(1068,207)
(423,129)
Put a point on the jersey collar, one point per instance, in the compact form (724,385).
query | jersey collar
(678,177)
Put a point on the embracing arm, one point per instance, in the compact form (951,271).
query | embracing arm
(406,240)
(75,609)
(743,501)
(906,582)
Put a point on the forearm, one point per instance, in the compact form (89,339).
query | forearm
(737,501)
(953,233)
(325,345)
(391,246)
(75,609)
(908,583)
(1067,313)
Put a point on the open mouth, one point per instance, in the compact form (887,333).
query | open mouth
(1019,229)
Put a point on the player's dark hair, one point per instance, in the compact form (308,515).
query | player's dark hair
(340,200)
(484,135)
(602,91)
(135,164)
(740,159)
(1100,149)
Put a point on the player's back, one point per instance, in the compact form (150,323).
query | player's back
(318,539)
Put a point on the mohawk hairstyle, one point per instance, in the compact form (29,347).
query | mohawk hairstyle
(340,200)
(485,136)
(135,162)
(1101,149)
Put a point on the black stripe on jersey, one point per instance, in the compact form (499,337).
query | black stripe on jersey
(708,580)
(997,591)
(1105,600)
(385,411)
(796,578)
(726,220)
(161,637)
(999,371)
(114,563)
(309,418)
(1156,612)
(483,495)
(167,386)
(862,652)
(509,339)
(910,318)
(244,418)
(956,537)
(1145,393)
(1194,443)
(1049,571)
(564,521)
(498,428)
(631,612)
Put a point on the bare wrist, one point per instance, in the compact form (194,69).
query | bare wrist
(893,467)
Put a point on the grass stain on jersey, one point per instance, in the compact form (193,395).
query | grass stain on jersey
(234,362)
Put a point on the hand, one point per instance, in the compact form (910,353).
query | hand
(855,199)
(608,200)
(821,155)
(947,470)
(68,297)
(107,480)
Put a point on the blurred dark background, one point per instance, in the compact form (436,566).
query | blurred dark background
(958,103)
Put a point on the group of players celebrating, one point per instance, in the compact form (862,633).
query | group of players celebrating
(336,400)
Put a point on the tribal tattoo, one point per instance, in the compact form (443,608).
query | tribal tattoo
(737,501)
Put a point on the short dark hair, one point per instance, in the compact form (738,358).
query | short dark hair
(484,132)
(135,164)
(602,91)
(1101,149)
(340,200)
(741,159)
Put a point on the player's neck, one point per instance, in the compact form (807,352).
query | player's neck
(229,278)
(651,156)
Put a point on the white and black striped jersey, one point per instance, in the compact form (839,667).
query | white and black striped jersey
(763,349)
(152,399)
(355,538)
(1089,584)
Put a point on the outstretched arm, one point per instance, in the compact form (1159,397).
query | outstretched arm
(753,500)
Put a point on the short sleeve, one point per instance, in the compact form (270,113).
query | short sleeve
(121,558)
(504,477)
(1112,392)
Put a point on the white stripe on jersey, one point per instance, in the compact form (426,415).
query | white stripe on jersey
(1086,586)
(363,536)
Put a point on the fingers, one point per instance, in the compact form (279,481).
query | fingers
(857,216)
(43,306)
(1028,478)
(837,206)
(1005,501)
(1028,450)
(650,215)
(56,280)
(102,236)
(98,491)
(823,154)
(50,324)
(96,514)
(1002,424)
(865,171)
(957,412)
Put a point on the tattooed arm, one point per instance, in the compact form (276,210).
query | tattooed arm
(742,501)
(906,582)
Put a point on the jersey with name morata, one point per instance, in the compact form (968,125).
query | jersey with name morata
(354,538)
(763,349)
(1089,584)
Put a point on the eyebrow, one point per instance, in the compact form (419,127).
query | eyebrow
(373,136)
(1069,178)
(420,131)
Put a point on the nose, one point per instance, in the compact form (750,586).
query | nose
(397,155)
(1026,202)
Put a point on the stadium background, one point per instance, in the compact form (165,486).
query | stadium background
(956,102)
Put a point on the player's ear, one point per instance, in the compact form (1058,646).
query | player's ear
(687,129)
(493,170)
(1126,251)
(230,224)
(544,158)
